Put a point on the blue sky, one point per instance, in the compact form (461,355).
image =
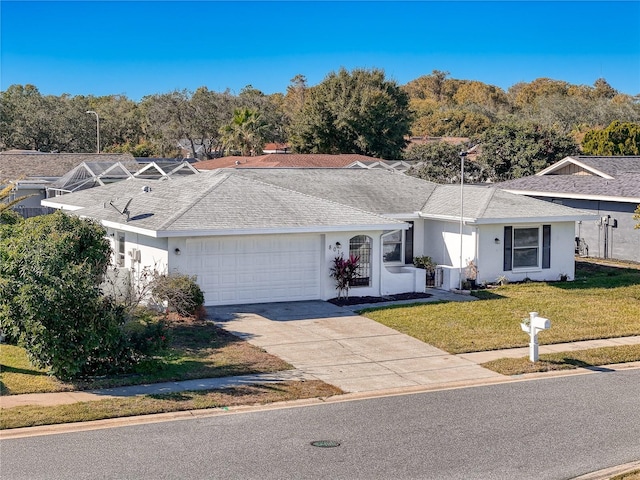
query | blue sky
(147,47)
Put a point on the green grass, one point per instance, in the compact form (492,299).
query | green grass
(634,475)
(17,375)
(198,350)
(592,357)
(29,416)
(602,302)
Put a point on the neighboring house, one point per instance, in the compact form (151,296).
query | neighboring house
(609,187)
(304,160)
(267,235)
(287,160)
(46,175)
(276,148)
(34,172)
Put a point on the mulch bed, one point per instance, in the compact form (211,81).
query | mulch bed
(389,298)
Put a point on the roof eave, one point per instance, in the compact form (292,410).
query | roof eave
(576,196)
(60,206)
(282,230)
(565,161)
(542,219)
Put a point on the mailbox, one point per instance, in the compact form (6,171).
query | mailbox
(532,327)
(540,323)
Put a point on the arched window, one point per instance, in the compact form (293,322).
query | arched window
(360,246)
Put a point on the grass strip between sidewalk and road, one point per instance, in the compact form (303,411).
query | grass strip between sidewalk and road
(548,362)
(31,415)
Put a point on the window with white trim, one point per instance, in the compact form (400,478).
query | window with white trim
(527,247)
(392,247)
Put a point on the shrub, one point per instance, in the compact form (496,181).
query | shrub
(146,334)
(344,272)
(425,263)
(50,302)
(181,292)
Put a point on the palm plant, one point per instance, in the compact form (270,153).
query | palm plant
(245,132)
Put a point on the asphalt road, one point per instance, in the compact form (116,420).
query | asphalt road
(555,428)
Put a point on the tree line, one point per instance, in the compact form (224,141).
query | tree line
(521,130)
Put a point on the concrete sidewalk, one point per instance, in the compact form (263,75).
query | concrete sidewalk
(483,357)
(63,398)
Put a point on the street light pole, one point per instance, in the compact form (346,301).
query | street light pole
(462,155)
(97,129)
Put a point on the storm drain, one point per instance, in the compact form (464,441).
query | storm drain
(325,443)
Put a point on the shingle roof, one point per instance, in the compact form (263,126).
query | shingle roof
(610,165)
(624,188)
(273,200)
(380,191)
(486,205)
(285,160)
(14,166)
(220,201)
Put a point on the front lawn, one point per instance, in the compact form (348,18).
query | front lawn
(602,302)
(198,350)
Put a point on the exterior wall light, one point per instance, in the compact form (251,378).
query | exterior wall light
(177,251)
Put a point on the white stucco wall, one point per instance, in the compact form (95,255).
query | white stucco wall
(442,242)
(490,254)
(330,251)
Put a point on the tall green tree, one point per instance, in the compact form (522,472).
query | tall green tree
(514,150)
(617,139)
(31,121)
(191,119)
(245,133)
(353,112)
(440,162)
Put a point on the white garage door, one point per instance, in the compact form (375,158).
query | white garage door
(256,269)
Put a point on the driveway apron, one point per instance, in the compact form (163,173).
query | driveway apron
(339,347)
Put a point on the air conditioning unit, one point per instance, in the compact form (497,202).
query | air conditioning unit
(134,253)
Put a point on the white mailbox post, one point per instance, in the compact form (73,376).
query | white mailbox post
(536,324)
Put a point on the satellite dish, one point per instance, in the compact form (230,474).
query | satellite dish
(124,210)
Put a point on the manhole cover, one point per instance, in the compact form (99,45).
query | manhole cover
(325,443)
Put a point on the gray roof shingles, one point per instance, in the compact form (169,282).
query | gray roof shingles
(218,201)
(271,199)
(14,166)
(611,165)
(380,191)
(624,186)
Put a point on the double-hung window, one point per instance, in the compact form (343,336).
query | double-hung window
(527,247)
(392,246)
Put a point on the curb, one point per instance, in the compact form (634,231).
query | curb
(607,473)
(346,397)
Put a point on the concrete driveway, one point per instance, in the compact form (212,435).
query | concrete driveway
(344,349)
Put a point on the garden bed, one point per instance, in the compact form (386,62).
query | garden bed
(342,302)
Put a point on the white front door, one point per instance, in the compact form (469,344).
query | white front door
(256,268)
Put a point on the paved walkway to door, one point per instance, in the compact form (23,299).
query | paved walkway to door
(347,350)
